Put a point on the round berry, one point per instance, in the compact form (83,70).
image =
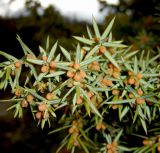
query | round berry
(140,92)
(139,76)
(24,103)
(42,107)
(70,74)
(38,115)
(18,64)
(102,49)
(76,66)
(52,64)
(44,58)
(49,96)
(131,81)
(29,98)
(140,101)
(77,77)
(44,69)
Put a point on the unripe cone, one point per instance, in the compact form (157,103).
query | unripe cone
(71,130)
(114,106)
(18,64)
(131,81)
(116,74)
(52,64)
(82,73)
(70,74)
(109,146)
(102,49)
(131,95)
(158,148)
(140,92)
(79,100)
(77,77)
(44,69)
(147,142)
(49,96)
(24,103)
(98,126)
(115,92)
(140,101)
(76,66)
(107,82)
(139,76)
(130,73)
(29,98)
(42,107)
(18,92)
(44,58)
(30,56)
(136,83)
(96,39)
(96,67)
(109,151)
(38,115)
(114,144)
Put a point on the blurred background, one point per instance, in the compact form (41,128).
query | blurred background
(137,24)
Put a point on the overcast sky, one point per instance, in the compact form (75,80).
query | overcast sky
(82,9)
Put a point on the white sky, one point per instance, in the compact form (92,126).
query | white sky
(83,9)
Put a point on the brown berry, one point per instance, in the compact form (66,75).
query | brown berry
(130,73)
(82,73)
(158,148)
(115,92)
(109,151)
(114,144)
(24,103)
(114,106)
(42,107)
(102,49)
(30,56)
(77,77)
(96,39)
(140,92)
(131,95)
(38,115)
(107,82)
(140,101)
(29,98)
(109,146)
(52,64)
(136,83)
(147,142)
(70,74)
(90,94)
(18,64)
(83,51)
(98,126)
(44,69)
(71,130)
(79,101)
(115,74)
(96,67)
(139,76)
(18,92)
(49,96)
(44,58)
(76,66)
(131,81)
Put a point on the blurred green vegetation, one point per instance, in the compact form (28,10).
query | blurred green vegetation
(137,23)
